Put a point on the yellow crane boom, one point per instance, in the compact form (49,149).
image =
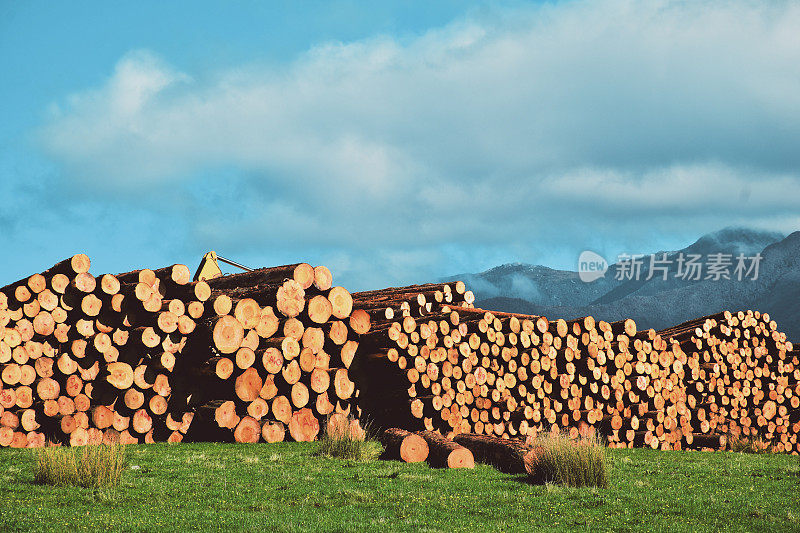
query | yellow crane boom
(209,266)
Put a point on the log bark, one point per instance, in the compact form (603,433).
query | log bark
(302,273)
(444,453)
(507,455)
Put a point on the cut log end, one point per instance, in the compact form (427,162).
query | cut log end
(228,334)
(304,426)
(404,445)
(323,279)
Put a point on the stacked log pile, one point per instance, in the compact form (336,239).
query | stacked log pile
(59,351)
(398,342)
(134,357)
(273,356)
(456,369)
(741,379)
(465,370)
(275,353)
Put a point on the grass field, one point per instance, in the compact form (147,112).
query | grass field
(284,487)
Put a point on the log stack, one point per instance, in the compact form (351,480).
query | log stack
(456,369)
(741,379)
(134,357)
(273,354)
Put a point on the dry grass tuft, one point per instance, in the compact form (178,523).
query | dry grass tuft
(85,466)
(749,444)
(344,438)
(564,461)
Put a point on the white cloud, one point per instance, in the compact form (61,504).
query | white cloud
(489,131)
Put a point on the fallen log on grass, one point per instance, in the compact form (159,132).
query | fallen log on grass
(509,456)
(444,453)
(404,445)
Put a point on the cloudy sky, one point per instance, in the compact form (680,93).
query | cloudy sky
(396,143)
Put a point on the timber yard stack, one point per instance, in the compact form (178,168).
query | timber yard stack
(741,379)
(274,356)
(462,370)
(145,356)
(276,353)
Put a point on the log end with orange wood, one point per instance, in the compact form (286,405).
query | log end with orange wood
(404,445)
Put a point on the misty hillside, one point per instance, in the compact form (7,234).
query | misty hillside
(657,302)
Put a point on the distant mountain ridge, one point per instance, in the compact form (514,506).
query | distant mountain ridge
(658,302)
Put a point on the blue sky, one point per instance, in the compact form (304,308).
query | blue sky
(395,142)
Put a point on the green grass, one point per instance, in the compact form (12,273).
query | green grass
(85,466)
(286,487)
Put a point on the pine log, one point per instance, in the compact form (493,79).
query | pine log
(507,455)
(302,273)
(404,445)
(444,453)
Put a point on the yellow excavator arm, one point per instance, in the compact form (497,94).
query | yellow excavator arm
(209,267)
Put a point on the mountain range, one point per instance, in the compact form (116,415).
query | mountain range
(672,294)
